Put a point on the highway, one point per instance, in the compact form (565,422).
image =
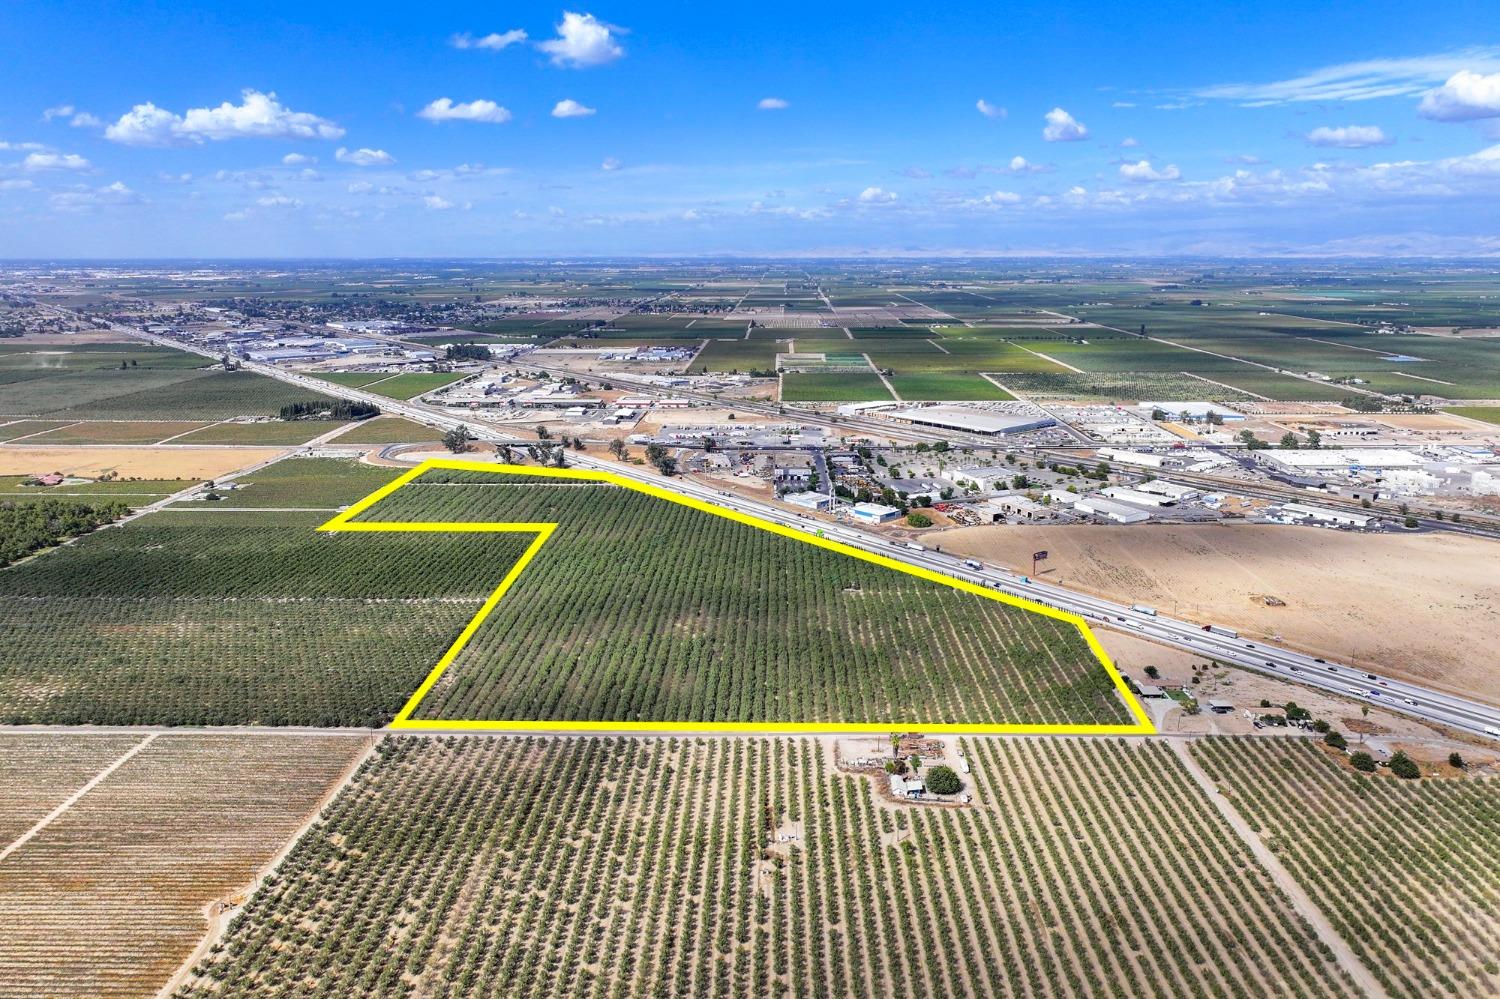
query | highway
(1262,657)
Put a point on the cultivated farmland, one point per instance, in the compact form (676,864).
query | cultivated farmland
(618,867)
(746,625)
(203,617)
(1408,872)
(111,897)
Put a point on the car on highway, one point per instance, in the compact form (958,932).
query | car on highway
(1409,700)
(1492,731)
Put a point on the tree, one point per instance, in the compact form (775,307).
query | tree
(543,434)
(1336,740)
(918,520)
(1288,441)
(617,448)
(1153,672)
(505,453)
(667,466)
(1410,522)
(1405,767)
(942,780)
(1456,760)
(1363,761)
(1314,439)
(457,439)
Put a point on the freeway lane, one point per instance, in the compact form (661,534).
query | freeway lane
(1392,694)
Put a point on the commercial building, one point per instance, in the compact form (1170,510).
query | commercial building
(1110,510)
(1141,459)
(1175,491)
(808,501)
(873,513)
(973,421)
(1324,515)
(986,478)
(1127,495)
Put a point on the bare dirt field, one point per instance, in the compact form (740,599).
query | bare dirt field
(133,462)
(1422,606)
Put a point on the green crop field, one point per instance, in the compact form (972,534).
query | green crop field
(203,617)
(388,430)
(634,868)
(1408,872)
(852,386)
(1489,414)
(748,626)
(149,394)
(737,355)
(352,379)
(409,386)
(127,489)
(940,387)
(321,483)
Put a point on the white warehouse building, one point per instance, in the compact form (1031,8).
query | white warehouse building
(873,513)
(1110,510)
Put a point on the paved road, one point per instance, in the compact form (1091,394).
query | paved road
(1397,695)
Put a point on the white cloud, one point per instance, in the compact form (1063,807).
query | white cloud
(1020,164)
(1348,136)
(444,109)
(22,147)
(258,116)
(61,111)
(1144,173)
(364,157)
(1123,104)
(569,108)
(1063,127)
(278,201)
(772,104)
(877,196)
(84,199)
(989,110)
(1465,96)
(54,161)
(16,185)
(85,120)
(1001,198)
(1361,81)
(1129,142)
(582,40)
(297,159)
(494,41)
(436,203)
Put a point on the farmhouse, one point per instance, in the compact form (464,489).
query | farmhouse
(907,787)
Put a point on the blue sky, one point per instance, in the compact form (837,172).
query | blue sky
(278,129)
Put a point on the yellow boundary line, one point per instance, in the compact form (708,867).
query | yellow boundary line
(344,522)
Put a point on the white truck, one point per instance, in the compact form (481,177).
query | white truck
(1143,609)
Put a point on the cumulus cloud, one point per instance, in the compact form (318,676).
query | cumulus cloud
(494,41)
(1348,136)
(278,201)
(569,108)
(1465,96)
(16,185)
(257,116)
(54,161)
(1020,164)
(1129,142)
(1144,173)
(364,157)
(76,118)
(877,196)
(1063,127)
(582,40)
(610,163)
(297,159)
(22,147)
(772,104)
(436,203)
(1001,198)
(445,109)
(989,110)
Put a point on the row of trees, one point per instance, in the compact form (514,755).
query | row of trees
(328,409)
(30,525)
